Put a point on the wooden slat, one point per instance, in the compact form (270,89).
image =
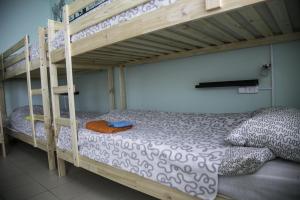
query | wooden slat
(38,117)
(145,47)
(196,34)
(63,121)
(166,41)
(14,48)
(114,8)
(222,48)
(230,23)
(78,5)
(61,89)
(133,50)
(15,59)
(181,38)
(213,30)
(253,18)
(280,14)
(154,44)
(213,4)
(36,91)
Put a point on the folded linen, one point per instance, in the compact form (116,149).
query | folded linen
(102,126)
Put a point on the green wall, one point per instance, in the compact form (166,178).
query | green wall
(169,85)
(18,18)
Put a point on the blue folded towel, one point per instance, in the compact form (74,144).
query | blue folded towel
(120,124)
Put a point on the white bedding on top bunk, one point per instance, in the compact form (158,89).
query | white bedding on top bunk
(34,54)
(148,7)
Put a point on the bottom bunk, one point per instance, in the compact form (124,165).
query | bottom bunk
(175,155)
(19,126)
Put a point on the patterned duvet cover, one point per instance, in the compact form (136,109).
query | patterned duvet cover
(185,151)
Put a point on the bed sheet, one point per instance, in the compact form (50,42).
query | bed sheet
(277,179)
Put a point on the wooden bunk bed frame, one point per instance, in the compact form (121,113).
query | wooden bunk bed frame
(184,28)
(20,52)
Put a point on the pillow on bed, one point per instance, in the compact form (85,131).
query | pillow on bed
(244,160)
(277,129)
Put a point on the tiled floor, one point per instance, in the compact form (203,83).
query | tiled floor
(24,175)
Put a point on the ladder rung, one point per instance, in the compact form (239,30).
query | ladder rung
(38,117)
(36,91)
(61,89)
(63,121)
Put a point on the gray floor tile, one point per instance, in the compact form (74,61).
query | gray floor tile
(23,192)
(44,196)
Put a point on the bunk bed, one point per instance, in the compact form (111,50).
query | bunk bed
(25,61)
(117,33)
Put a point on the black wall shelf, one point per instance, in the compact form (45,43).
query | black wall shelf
(238,83)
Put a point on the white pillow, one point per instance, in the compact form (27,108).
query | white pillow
(275,128)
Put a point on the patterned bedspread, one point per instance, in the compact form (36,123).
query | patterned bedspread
(150,6)
(181,150)
(18,122)
(185,151)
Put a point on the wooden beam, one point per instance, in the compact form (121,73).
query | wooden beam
(122,87)
(36,92)
(15,59)
(111,88)
(14,48)
(28,67)
(71,99)
(63,121)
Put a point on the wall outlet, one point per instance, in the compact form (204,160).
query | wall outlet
(248,90)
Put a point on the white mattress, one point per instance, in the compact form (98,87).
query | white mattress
(148,7)
(276,180)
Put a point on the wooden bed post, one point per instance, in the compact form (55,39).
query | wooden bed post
(2,110)
(45,98)
(122,87)
(28,69)
(55,98)
(111,89)
(69,69)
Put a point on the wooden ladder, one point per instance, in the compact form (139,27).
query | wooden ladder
(56,91)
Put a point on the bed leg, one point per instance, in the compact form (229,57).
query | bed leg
(61,167)
(3,150)
(51,160)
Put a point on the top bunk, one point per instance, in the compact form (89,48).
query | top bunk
(118,32)
(14,60)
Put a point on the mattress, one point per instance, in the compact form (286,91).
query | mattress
(277,180)
(58,41)
(34,54)
(180,150)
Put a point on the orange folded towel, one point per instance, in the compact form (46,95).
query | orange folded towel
(103,127)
